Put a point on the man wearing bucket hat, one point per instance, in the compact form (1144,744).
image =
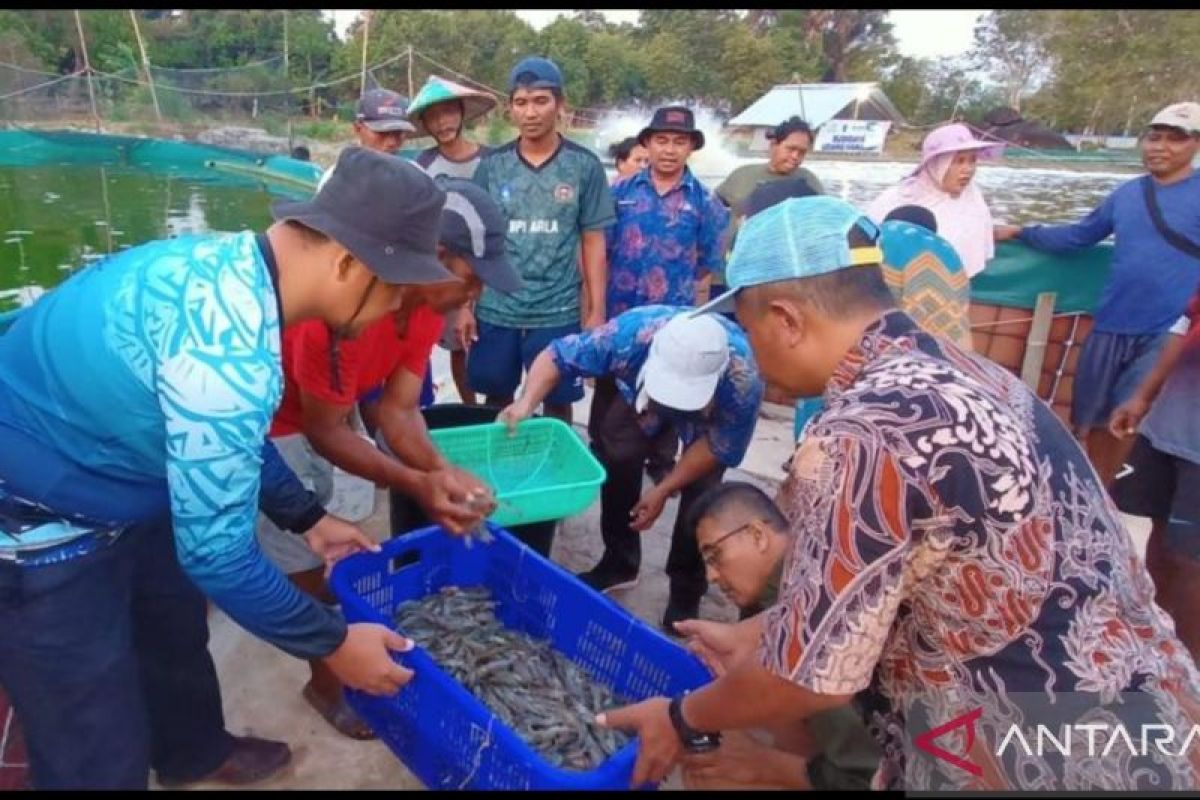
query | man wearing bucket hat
(1155,221)
(664,367)
(323,380)
(135,402)
(440,110)
(669,226)
(668,234)
(929,472)
(556,198)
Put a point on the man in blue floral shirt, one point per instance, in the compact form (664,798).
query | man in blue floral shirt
(667,238)
(665,368)
(669,225)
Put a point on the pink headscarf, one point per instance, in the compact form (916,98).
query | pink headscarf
(965,221)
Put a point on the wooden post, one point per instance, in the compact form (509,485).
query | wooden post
(287,103)
(87,67)
(1035,343)
(137,32)
(366,33)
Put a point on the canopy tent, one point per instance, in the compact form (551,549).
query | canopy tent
(816,104)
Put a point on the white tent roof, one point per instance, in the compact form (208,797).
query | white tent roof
(816,104)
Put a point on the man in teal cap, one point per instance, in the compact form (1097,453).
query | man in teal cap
(953,554)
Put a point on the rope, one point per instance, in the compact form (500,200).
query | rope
(499,94)
(998,323)
(251,65)
(19,68)
(264,93)
(42,85)
(502,95)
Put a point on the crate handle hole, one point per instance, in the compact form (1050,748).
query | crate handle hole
(405,560)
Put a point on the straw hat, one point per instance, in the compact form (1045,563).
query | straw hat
(439,90)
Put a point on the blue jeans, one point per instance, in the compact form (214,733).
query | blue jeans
(495,363)
(105,658)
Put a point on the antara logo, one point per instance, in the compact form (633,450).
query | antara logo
(968,720)
(1093,740)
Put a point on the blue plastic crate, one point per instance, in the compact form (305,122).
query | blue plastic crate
(443,733)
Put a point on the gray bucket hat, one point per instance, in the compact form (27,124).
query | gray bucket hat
(384,210)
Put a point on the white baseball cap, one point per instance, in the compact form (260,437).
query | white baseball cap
(1185,116)
(687,358)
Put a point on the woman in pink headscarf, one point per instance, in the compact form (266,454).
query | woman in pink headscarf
(943,184)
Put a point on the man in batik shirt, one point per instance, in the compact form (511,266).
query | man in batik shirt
(954,555)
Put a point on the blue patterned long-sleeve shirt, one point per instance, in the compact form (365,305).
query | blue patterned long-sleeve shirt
(662,244)
(144,386)
(619,349)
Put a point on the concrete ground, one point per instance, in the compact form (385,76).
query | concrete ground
(261,686)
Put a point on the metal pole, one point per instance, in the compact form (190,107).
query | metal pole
(146,65)
(285,42)
(410,65)
(366,32)
(87,67)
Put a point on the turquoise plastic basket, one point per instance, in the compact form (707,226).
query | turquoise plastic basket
(543,472)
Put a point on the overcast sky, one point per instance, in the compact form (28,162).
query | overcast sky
(920,34)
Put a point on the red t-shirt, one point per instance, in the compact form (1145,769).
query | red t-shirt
(364,363)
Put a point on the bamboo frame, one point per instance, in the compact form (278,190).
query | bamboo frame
(1035,343)
(137,32)
(87,67)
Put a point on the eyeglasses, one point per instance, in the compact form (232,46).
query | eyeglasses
(712,553)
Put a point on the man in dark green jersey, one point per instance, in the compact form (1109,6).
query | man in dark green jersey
(555,196)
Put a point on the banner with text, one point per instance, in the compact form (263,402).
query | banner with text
(852,136)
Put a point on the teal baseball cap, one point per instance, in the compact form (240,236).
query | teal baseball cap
(801,237)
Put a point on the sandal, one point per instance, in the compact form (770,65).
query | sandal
(338,714)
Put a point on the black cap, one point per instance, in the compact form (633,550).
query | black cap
(382,209)
(673,119)
(915,215)
(474,227)
(768,194)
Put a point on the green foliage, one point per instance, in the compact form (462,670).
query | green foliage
(1074,69)
(327,130)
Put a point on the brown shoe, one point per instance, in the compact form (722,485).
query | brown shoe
(252,760)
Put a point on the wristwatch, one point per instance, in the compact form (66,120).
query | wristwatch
(694,741)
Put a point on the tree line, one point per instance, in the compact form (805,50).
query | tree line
(1079,70)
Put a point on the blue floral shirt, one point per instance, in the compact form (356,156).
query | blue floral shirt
(661,245)
(619,348)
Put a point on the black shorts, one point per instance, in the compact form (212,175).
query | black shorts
(1163,487)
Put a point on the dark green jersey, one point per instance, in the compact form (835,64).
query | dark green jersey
(548,209)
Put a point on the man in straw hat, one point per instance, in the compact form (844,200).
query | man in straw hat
(135,403)
(954,559)
(440,110)
(663,368)
(1155,221)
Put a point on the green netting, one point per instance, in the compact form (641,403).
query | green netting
(32,148)
(1018,274)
